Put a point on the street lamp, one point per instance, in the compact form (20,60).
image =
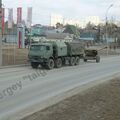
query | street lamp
(106,31)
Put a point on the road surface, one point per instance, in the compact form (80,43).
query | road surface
(23,89)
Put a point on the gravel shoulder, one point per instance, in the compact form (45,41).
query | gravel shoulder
(101,102)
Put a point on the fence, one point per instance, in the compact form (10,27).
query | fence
(11,54)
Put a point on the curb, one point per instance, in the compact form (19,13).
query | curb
(14,66)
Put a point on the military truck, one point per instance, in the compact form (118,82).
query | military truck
(55,54)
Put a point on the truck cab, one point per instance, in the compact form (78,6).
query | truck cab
(39,53)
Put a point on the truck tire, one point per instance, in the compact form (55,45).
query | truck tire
(77,61)
(72,61)
(43,65)
(85,60)
(34,64)
(58,63)
(50,64)
(97,59)
(63,62)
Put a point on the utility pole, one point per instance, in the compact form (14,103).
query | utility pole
(0,32)
(106,26)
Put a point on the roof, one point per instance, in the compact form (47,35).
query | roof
(56,35)
(87,36)
(91,49)
(87,39)
(43,43)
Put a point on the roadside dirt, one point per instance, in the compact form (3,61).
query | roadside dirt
(101,102)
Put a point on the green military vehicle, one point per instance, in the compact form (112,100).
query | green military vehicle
(55,54)
(91,54)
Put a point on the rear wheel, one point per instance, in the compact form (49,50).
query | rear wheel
(63,62)
(97,59)
(34,64)
(58,63)
(85,60)
(43,65)
(72,61)
(50,64)
(77,61)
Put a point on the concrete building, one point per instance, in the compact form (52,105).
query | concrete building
(117,23)
(79,22)
(59,19)
(72,22)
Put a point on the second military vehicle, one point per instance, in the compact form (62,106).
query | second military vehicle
(91,54)
(55,54)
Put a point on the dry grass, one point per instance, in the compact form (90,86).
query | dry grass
(98,103)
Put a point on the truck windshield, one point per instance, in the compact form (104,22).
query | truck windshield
(37,47)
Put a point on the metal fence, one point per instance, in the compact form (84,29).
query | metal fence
(11,54)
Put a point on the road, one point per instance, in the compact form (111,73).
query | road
(21,94)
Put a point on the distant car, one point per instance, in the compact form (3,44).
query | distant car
(91,54)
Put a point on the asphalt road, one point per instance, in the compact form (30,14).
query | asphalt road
(23,89)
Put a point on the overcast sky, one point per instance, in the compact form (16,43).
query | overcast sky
(77,9)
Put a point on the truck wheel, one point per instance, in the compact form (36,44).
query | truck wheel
(77,61)
(97,59)
(34,65)
(43,65)
(63,62)
(85,60)
(58,63)
(50,64)
(72,61)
